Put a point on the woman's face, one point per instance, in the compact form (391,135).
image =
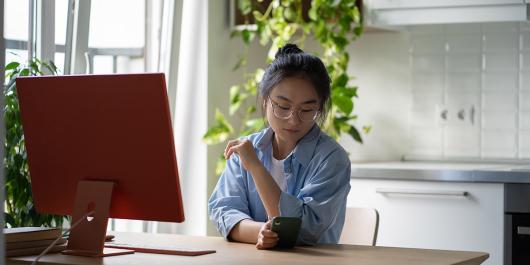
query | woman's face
(297,99)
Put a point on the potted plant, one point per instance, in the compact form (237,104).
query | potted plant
(19,207)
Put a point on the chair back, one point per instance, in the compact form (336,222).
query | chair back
(360,226)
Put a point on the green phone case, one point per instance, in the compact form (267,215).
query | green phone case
(287,229)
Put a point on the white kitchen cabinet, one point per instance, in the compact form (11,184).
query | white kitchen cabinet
(435,215)
(417,12)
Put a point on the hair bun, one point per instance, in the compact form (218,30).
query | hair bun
(287,49)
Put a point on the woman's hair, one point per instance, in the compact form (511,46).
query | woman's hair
(291,61)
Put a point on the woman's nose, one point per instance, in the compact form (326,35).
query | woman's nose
(295,118)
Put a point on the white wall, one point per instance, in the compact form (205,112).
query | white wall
(223,53)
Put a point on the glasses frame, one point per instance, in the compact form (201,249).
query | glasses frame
(298,110)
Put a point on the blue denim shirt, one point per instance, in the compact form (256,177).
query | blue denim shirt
(318,181)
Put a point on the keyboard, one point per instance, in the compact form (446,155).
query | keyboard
(166,250)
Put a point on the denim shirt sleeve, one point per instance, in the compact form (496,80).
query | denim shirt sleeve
(320,201)
(228,204)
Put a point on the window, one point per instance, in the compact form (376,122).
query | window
(115,35)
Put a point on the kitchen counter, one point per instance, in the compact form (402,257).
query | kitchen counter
(441,171)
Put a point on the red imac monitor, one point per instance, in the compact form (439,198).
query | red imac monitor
(101,143)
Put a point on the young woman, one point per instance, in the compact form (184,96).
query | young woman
(291,168)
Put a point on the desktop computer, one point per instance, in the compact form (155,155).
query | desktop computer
(100,144)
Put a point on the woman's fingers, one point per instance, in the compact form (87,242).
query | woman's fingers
(233,147)
(231,150)
(265,246)
(268,224)
(269,233)
(269,240)
(230,144)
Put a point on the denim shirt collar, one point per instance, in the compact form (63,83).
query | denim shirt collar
(303,150)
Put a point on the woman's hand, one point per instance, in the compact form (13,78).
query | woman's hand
(246,153)
(266,237)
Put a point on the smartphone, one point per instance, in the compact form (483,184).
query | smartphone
(287,229)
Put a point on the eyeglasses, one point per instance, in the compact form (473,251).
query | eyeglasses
(286,112)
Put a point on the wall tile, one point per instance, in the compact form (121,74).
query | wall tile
(503,153)
(424,119)
(426,29)
(464,62)
(500,81)
(499,101)
(499,120)
(427,82)
(500,27)
(426,100)
(525,81)
(499,144)
(464,43)
(458,100)
(524,144)
(501,61)
(431,151)
(461,142)
(524,120)
(426,138)
(427,44)
(525,61)
(463,29)
(501,41)
(458,82)
(524,100)
(524,26)
(428,63)
(525,41)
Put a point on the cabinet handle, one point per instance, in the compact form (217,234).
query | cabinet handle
(523,230)
(421,192)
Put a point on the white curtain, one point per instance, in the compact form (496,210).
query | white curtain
(188,100)
(183,56)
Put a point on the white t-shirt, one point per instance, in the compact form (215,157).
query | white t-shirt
(278,173)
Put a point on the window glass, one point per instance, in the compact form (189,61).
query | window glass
(116,28)
(117,24)
(61,10)
(16,19)
(61,13)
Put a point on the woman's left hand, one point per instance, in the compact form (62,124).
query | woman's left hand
(245,150)
(266,237)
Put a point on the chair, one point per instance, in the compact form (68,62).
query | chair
(360,227)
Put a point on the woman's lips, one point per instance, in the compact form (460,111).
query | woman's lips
(291,130)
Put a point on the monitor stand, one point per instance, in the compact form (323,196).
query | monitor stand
(88,237)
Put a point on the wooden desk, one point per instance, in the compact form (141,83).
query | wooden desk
(239,253)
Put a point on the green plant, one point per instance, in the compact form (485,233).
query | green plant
(19,208)
(333,24)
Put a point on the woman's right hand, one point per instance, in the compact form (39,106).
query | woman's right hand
(245,150)
(266,237)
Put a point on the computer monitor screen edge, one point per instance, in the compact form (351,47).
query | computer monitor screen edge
(102,127)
